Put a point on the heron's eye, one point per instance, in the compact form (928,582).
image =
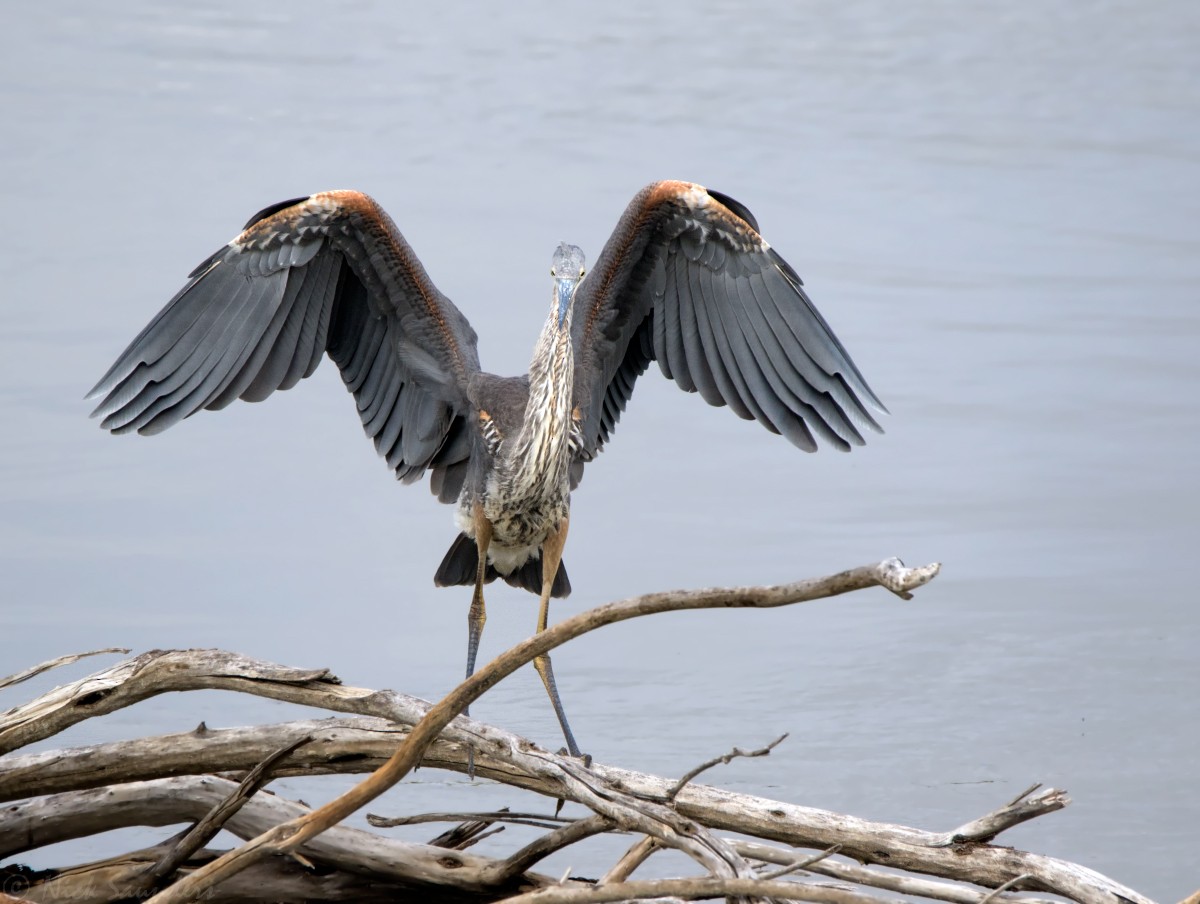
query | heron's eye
(581,271)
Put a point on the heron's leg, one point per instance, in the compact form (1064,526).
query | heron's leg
(477,615)
(552,551)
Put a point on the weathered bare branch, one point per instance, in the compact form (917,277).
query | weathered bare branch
(158,672)
(803,863)
(1017,811)
(144,676)
(723,759)
(346,745)
(637,854)
(287,880)
(895,846)
(1011,883)
(53,664)
(694,890)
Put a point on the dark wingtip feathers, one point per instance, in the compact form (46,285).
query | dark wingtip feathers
(736,206)
(273,209)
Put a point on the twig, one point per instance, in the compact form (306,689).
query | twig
(470,831)
(466,835)
(890,573)
(1024,794)
(718,760)
(53,664)
(1011,883)
(802,864)
(1019,810)
(536,820)
(638,854)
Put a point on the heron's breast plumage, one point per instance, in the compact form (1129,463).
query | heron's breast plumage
(527,491)
(525,504)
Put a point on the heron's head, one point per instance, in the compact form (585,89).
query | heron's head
(567,268)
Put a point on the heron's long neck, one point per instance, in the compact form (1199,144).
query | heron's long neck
(540,451)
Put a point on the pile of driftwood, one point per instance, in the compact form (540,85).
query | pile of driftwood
(212,779)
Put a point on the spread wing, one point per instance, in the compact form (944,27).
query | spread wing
(327,273)
(687,281)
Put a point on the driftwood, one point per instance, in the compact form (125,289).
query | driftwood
(211,778)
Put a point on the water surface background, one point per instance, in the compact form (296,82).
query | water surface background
(995,206)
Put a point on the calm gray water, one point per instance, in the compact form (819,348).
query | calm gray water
(996,207)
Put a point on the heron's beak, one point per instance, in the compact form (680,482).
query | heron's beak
(564,292)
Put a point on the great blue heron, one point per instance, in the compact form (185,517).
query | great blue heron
(685,280)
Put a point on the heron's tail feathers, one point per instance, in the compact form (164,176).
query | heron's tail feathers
(461,560)
(529,576)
